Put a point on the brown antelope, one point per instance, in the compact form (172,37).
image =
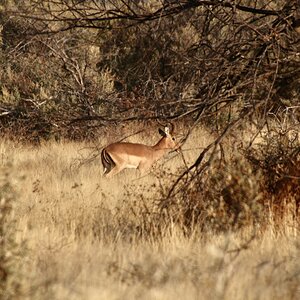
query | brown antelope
(119,156)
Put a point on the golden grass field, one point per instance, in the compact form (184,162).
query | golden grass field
(80,240)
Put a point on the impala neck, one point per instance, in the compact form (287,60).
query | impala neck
(161,146)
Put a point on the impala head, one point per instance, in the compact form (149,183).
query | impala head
(168,139)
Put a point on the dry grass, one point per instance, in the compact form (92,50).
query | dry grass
(84,241)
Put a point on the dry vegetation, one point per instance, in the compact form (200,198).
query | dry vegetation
(220,220)
(76,235)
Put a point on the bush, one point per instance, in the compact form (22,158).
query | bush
(226,197)
(278,158)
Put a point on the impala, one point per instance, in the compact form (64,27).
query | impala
(119,156)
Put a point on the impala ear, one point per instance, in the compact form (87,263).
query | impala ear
(167,130)
(162,133)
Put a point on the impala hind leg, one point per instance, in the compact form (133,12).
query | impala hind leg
(112,172)
(107,169)
(107,162)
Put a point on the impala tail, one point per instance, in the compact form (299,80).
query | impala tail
(107,162)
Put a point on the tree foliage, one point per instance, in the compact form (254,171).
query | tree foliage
(119,60)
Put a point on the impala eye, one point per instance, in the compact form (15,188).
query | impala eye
(173,138)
